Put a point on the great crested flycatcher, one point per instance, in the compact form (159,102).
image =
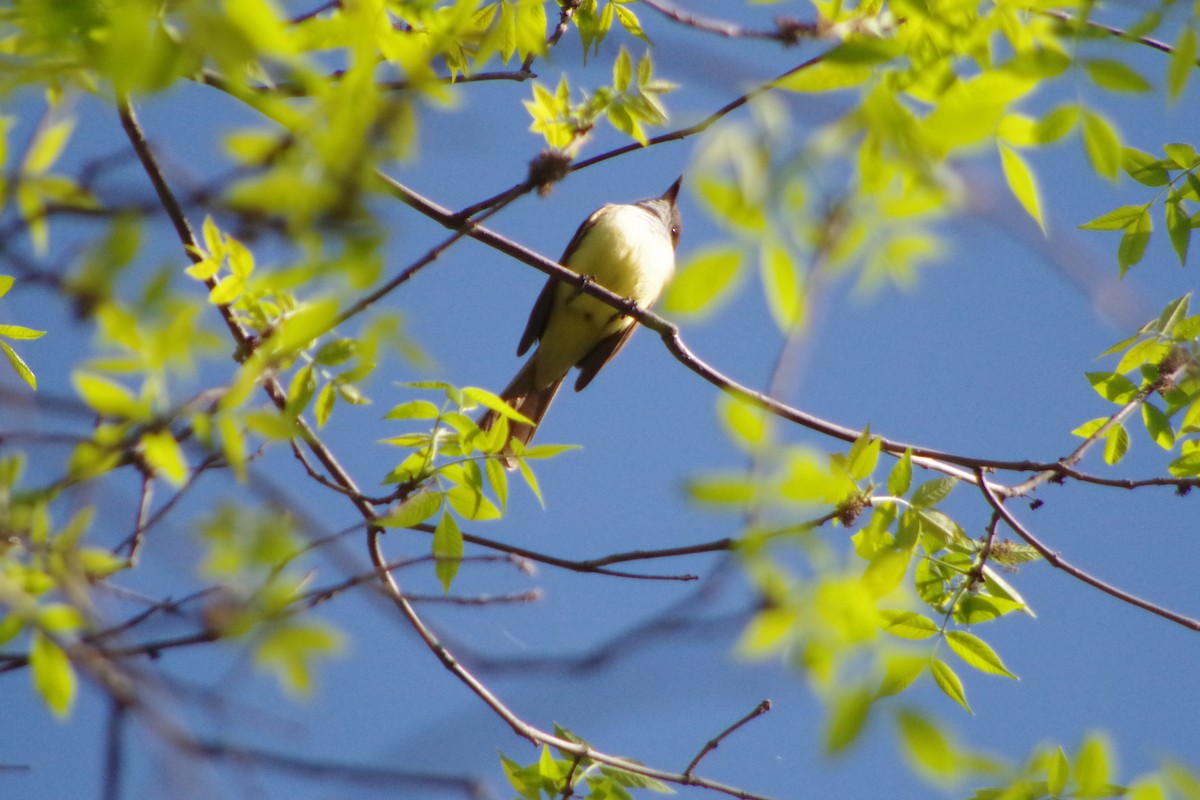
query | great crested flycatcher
(627,249)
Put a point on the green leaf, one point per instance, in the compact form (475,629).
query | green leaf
(326,400)
(47,145)
(447,549)
(1134,241)
(1112,387)
(1102,143)
(470,502)
(900,478)
(494,402)
(633,780)
(1182,62)
(1184,155)
(414,409)
(1116,219)
(826,76)
(416,509)
(745,424)
(1089,428)
(53,676)
(703,281)
(732,205)
(977,653)
(932,492)
(18,364)
(108,398)
(846,719)
(767,632)
(1057,772)
(1144,168)
(526,780)
(1116,444)
(731,488)
(1179,229)
(949,682)
(1115,76)
(630,22)
(899,673)
(1158,426)
(1147,351)
(1091,768)
(622,71)
(289,649)
(162,452)
(1022,183)
(863,455)
(908,624)
(926,745)
(781,284)
(1186,466)
(20,332)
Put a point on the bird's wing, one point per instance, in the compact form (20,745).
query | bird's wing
(600,355)
(540,314)
(538,317)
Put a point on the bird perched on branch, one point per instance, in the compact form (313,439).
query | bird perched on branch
(628,249)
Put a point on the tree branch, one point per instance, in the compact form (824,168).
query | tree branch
(518,725)
(1056,561)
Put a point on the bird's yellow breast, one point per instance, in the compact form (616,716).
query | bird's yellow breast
(627,251)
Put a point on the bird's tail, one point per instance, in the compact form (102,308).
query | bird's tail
(523,396)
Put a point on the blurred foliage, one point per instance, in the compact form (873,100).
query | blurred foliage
(275,290)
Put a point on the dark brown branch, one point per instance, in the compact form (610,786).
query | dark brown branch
(599,565)
(1063,16)
(1056,561)
(714,743)
(786,31)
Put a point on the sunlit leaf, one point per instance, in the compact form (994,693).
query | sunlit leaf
(53,676)
(976,652)
(1022,183)
(846,719)
(447,549)
(948,682)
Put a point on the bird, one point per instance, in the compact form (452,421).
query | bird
(627,248)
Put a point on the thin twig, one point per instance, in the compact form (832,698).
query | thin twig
(114,751)
(1063,16)
(786,30)
(1056,561)
(714,743)
(518,725)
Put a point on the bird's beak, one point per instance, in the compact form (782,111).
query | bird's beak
(670,194)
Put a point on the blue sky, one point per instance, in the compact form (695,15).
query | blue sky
(985,356)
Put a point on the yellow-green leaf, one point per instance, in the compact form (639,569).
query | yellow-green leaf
(908,624)
(702,282)
(926,745)
(417,508)
(19,365)
(976,652)
(1102,143)
(1022,183)
(162,452)
(949,682)
(846,719)
(53,676)
(447,549)
(1182,62)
